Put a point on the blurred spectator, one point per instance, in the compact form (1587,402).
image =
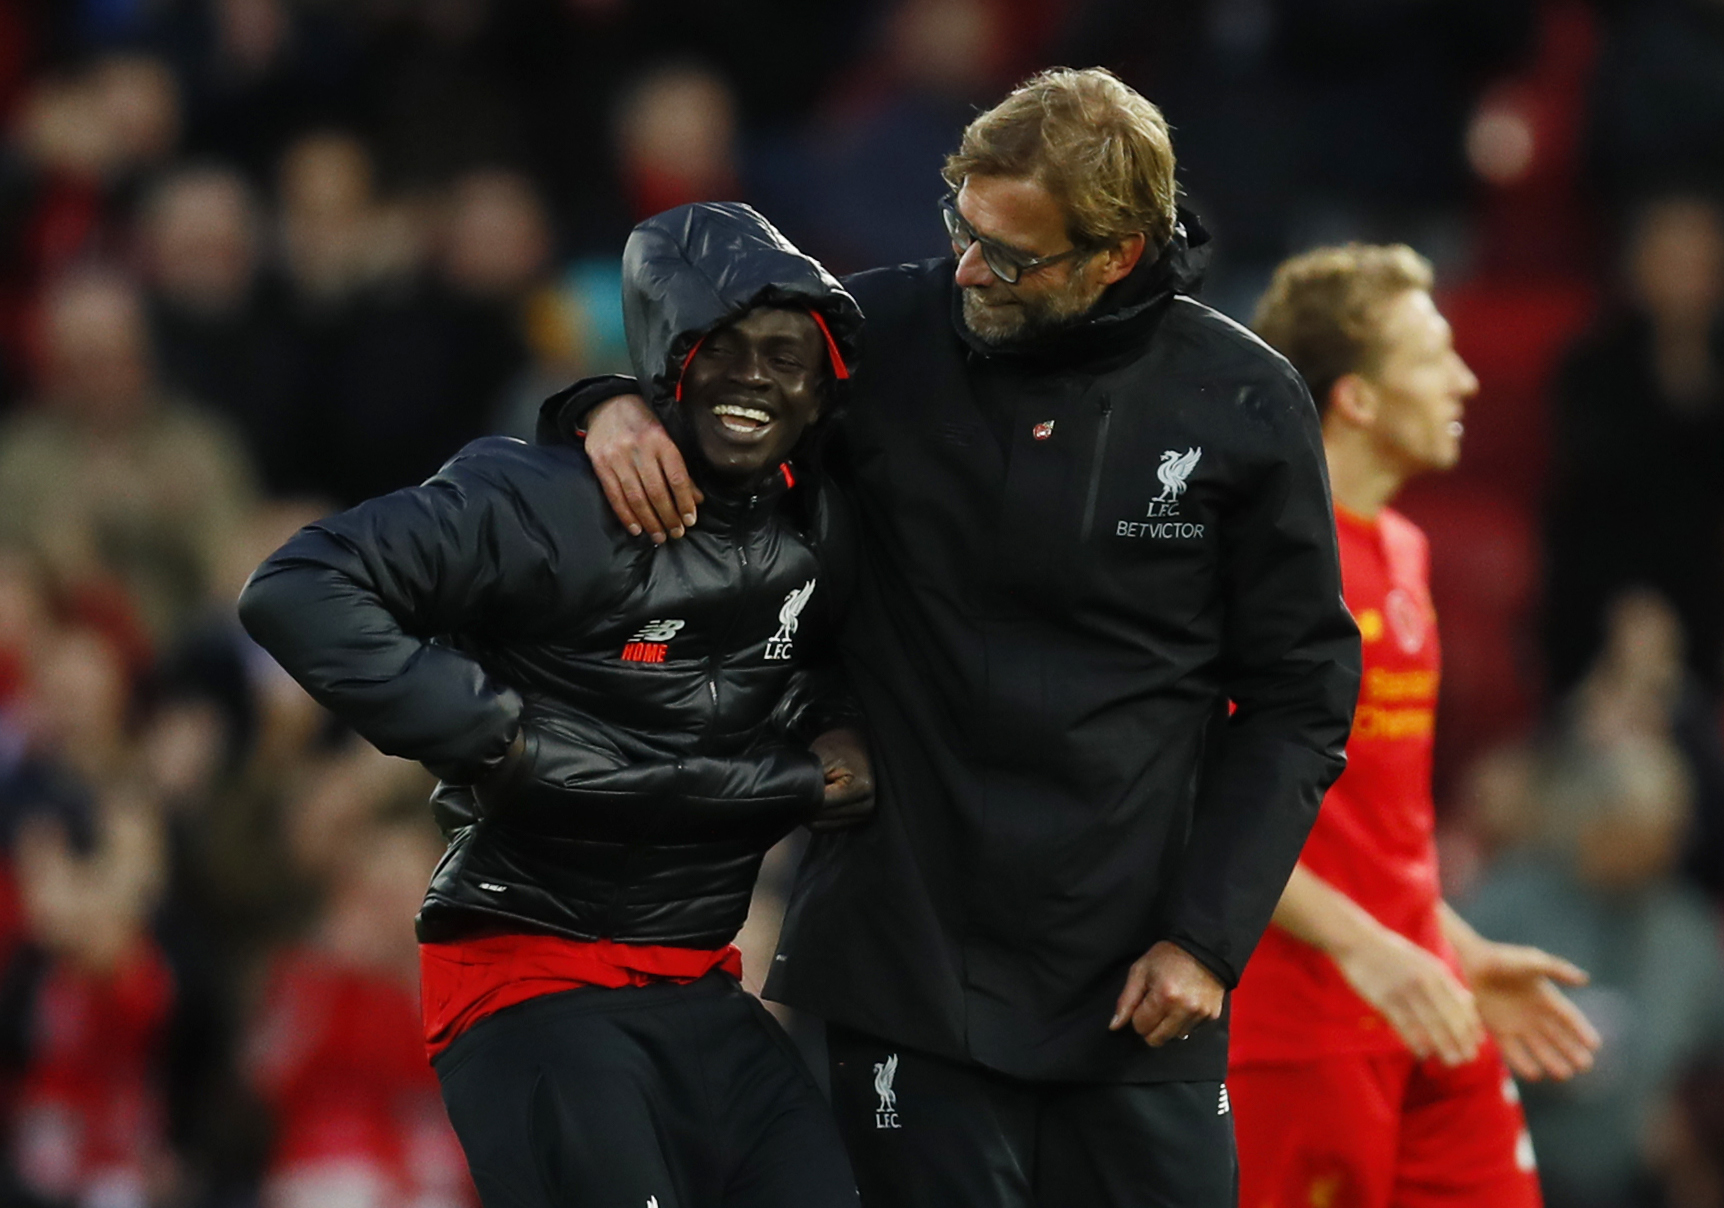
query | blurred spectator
(86,145)
(865,191)
(258,71)
(1639,688)
(1689,1150)
(91,1125)
(335,1049)
(330,222)
(106,477)
(676,139)
(89,994)
(1498,812)
(25,621)
(403,361)
(1636,493)
(219,327)
(1601,892)
(1658,104)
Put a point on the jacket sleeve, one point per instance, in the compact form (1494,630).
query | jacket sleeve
(353,607)
(1290,667)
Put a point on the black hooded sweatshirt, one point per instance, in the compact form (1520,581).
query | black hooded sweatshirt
(1078,555)
(665,695)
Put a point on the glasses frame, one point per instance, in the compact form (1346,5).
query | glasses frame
(1008,264)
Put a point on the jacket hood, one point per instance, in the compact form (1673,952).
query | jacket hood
(1126,311)
(690,270)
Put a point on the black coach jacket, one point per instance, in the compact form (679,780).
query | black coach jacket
(1077,554)
(664,695)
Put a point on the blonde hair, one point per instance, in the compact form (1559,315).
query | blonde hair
(1094,143)
(1323,309)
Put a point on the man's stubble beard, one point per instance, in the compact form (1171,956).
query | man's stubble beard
(1036,315)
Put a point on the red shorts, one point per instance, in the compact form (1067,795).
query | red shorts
(1381,1130)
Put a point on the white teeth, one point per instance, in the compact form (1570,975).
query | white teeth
(753,413)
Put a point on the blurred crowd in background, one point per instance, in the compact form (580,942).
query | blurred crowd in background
(263,258)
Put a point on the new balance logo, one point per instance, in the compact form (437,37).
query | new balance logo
(650,645)
(886,1115)
(1225,1105)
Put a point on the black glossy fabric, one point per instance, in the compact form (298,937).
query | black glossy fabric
(664,694)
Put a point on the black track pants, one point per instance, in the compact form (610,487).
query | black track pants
(928,1133)
(661,1096)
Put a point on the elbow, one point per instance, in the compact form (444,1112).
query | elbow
(262,604)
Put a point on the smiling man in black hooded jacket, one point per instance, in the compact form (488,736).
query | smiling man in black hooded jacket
(1107,671)
(621,730)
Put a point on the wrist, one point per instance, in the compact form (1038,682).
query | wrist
(1358,938)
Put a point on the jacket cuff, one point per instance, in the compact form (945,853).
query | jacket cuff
(1203,955)
(563,416)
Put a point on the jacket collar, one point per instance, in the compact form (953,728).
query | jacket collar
(728,508)
(1124,316)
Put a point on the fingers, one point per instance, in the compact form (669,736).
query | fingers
(843,788)
(1136,985)
(832,818)
(684,494)
(1410,1028)
(637,513)
(1549,1057)
(1169,1022)
(1456,1027)
(618,498)
(1520,1062)
(1163,999)
(1562,972)
(1568,1031)
(659,500)
(1437,1017)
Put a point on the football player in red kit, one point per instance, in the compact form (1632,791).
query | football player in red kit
(1372,1026)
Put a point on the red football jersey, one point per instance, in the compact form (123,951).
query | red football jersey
(1375,835)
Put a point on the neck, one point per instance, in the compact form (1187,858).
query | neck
(1359,479)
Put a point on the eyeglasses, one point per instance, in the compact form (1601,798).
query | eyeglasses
(1008,265)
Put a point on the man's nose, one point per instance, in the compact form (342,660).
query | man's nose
(973,270)
(750,368)
(1469,382)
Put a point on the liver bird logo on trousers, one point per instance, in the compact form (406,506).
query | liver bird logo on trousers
(1174,469)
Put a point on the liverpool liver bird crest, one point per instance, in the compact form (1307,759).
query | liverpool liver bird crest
(1174,469)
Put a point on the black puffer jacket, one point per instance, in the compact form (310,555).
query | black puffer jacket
(664,694)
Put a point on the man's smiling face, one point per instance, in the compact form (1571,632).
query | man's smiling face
(753,388)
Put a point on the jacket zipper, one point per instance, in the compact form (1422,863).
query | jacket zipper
(1095,467)
(713,667)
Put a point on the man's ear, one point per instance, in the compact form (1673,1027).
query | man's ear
(1118,260)
(1354,400)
